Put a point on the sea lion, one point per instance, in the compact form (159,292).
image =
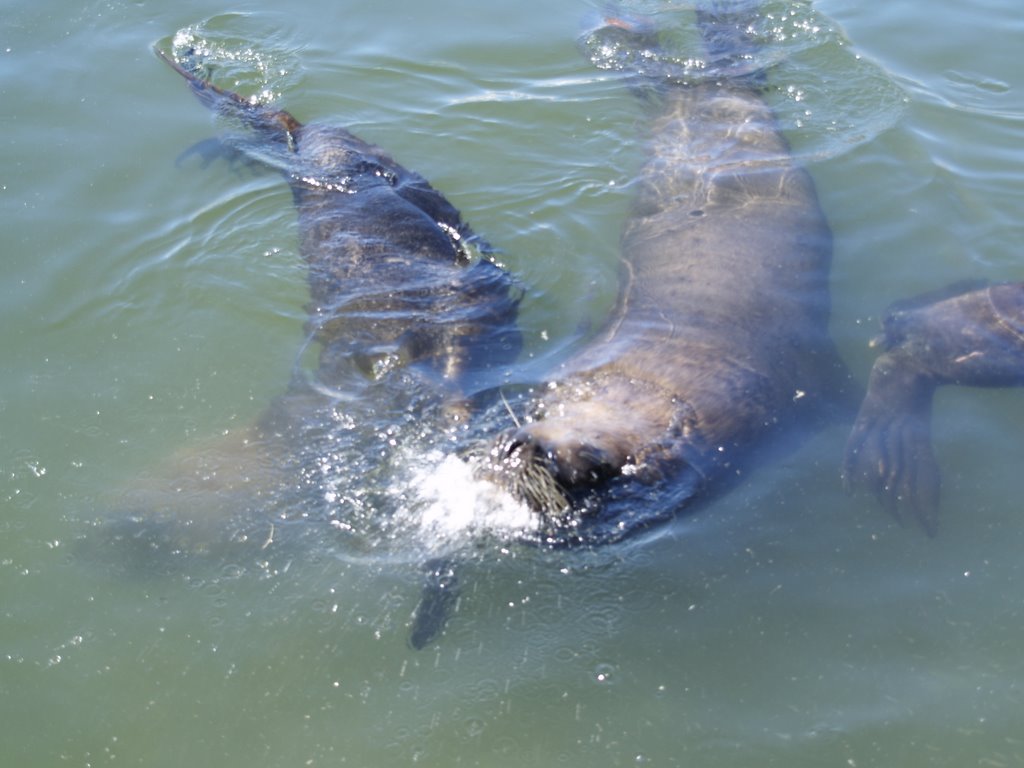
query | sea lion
(406,317)
(393,281)
(719,340)
(968,337)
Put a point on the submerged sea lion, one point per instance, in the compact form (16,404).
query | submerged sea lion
(393,281)
(719,340)
(406,317)
(972,338)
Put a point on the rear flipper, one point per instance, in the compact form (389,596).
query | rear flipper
(976,339)
(270,124)
(621,40)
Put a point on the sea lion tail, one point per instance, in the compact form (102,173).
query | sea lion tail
(272,124)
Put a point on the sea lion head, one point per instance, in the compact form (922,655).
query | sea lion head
(548,463)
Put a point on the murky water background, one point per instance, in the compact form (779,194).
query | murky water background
(151,306)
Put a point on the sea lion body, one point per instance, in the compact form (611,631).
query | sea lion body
(393,281)
(409,323)
(720,336)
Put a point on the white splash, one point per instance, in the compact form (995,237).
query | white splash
(451,504)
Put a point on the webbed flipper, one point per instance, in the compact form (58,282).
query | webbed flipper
(437,602)
(973,338)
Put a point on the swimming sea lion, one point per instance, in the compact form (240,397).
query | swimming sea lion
(719,340)
(393,281)
(405,315)
(972,338)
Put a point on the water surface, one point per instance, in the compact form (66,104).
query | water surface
(150,305)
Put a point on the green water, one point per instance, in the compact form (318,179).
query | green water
(149,304)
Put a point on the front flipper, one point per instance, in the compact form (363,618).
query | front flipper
(973,338)
(889,453)
(437,602)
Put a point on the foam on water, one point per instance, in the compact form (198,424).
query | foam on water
(419,501)
(451,504)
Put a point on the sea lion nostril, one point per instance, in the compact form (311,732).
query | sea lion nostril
(514,446)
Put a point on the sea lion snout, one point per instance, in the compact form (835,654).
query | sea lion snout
(571,459)
(543,463)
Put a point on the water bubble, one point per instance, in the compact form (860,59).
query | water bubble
(604,673)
